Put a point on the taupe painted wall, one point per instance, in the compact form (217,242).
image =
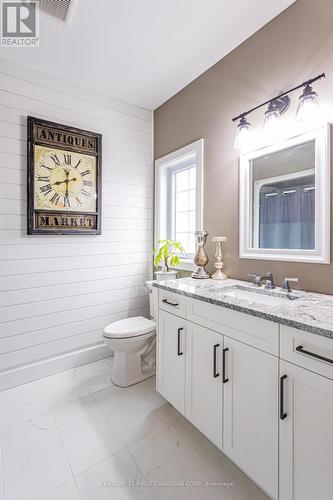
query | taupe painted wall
(293,47)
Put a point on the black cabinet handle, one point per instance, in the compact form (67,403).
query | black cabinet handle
(314,355)
(225,380)
(179,352)
(215,374)
(283,414)
(173,304)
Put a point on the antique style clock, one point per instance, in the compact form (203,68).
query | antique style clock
(64,179)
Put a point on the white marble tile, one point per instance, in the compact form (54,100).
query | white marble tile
(168,413)
(110,480)
(96,376)
(212,456)
(223,469)
(21,403)
(132,411)
(86,434)
(34,461)
(63,388)
(175,470)
(67,491)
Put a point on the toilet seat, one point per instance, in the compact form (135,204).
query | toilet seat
(129,328)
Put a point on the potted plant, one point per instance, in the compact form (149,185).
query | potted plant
(166,256)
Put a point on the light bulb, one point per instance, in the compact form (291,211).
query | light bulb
(308,106)
(242,139)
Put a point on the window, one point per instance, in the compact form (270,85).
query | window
(178,198)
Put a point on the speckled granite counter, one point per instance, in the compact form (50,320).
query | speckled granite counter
(311,312)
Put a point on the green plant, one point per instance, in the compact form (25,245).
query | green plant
(167,253)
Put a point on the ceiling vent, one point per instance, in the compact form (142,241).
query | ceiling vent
(55,8)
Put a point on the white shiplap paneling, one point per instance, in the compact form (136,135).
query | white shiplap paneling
(58,292)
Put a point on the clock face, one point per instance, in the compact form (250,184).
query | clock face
(64,181)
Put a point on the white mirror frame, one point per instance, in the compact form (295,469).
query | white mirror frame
(321,254)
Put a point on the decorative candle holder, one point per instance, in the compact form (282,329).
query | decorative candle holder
(201,258)
(219,264)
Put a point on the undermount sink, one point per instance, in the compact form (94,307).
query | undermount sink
(259,295)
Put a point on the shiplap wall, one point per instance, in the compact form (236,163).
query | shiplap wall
(58,292)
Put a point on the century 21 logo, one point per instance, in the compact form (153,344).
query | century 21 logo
(19,24)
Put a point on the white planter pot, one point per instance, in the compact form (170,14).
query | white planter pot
(166,275)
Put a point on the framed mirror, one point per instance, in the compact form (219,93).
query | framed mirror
(285,200)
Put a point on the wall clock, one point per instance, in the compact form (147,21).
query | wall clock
(64,179)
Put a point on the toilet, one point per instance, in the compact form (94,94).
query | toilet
(133,341)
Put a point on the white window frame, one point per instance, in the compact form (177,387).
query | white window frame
(190,155)
(321,254)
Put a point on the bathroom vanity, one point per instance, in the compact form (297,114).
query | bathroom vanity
(253,371)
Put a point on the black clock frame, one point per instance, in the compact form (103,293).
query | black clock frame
(90,144)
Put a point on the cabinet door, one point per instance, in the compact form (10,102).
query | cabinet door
(306,435)
(250,409)
(204,381)
(171,359)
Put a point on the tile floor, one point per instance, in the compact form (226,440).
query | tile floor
(76,436)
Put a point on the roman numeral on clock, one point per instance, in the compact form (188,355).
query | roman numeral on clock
(78,201)
(48,168)
(67,202)
(42,178)
(55,159)
(85,193)
(86,172)
(78,163)
(67,159)
(87,183)
(46,189)
(55,199)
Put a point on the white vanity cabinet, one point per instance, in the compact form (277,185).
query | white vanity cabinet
(171,350)
(261,392)
(203,389)
(306,435)
(306,420)
(250,416)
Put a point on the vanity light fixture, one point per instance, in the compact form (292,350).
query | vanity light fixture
(307,108)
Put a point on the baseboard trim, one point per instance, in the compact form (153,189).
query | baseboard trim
(45,367)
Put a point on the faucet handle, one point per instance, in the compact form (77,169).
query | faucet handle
(286,282)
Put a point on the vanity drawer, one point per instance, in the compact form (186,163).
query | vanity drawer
(171,302)
(294,342)
(249,329)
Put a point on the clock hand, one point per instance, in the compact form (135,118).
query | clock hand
(58,183)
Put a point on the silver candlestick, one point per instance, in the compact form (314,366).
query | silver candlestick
(219,275)
(201,258)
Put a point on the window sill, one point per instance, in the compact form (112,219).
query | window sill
(185,265)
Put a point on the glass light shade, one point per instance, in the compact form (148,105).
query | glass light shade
(242,135)
(272,120)
(308,106)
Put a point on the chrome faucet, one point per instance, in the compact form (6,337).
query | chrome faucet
(286,285)
(257,280)
(269,281)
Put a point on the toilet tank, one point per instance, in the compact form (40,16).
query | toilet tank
(152,291)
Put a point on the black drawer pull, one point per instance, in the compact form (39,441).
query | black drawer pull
(215,374)
(173,304)
(283,414)
(225,380)
(314,355)
(179,352)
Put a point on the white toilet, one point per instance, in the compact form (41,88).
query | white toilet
(133,342)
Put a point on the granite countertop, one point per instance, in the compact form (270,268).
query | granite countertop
(312,312)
